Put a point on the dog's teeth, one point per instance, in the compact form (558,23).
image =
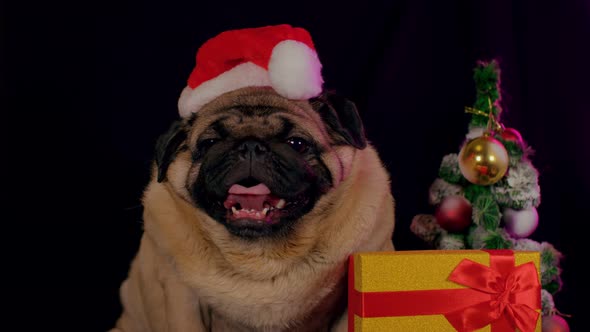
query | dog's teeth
(264,211)
(280,204)
(233,210)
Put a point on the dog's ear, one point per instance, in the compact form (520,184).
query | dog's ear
(167,146)
(342,118)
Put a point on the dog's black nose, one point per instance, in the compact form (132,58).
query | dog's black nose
(252,149)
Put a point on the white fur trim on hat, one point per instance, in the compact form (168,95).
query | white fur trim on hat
(241,76)
(295,70)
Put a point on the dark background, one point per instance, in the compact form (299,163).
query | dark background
(90,86)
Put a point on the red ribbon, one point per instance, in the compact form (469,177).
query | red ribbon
(502,295)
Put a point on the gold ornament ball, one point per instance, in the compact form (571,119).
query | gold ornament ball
(483,160)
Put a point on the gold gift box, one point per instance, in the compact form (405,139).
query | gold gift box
(405,290)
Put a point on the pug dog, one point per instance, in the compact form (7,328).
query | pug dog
(258,196)
(253,208)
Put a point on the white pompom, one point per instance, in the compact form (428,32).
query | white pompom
(295,70)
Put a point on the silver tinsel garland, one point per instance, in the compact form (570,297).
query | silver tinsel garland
(441,189)
(519,189)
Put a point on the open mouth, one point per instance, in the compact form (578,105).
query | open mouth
(253,206)
(250,209)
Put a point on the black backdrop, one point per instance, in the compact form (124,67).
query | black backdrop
(91,86)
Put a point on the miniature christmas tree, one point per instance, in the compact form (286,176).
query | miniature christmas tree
(486,196)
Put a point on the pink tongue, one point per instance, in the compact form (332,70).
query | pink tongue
(259,189)
(250,198)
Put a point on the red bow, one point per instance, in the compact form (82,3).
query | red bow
(514,294)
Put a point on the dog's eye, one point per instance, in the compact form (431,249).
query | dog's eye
(205,144)
(298,144)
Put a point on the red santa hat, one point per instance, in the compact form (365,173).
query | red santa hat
(281,57)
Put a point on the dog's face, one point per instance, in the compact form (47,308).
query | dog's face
(256,162)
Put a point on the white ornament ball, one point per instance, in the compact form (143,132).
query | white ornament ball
(520,223)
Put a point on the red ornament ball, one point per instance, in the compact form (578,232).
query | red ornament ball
(454,213)
(511,135)
(555,323)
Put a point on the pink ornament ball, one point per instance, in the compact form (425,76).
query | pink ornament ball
(520,223)
(512,135)
(555,323)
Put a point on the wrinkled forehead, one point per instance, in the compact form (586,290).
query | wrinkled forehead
(259,115)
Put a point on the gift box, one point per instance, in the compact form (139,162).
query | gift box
(444,290)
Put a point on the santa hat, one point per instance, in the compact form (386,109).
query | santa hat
(281,57)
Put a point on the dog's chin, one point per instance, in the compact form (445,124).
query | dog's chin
(261,216)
